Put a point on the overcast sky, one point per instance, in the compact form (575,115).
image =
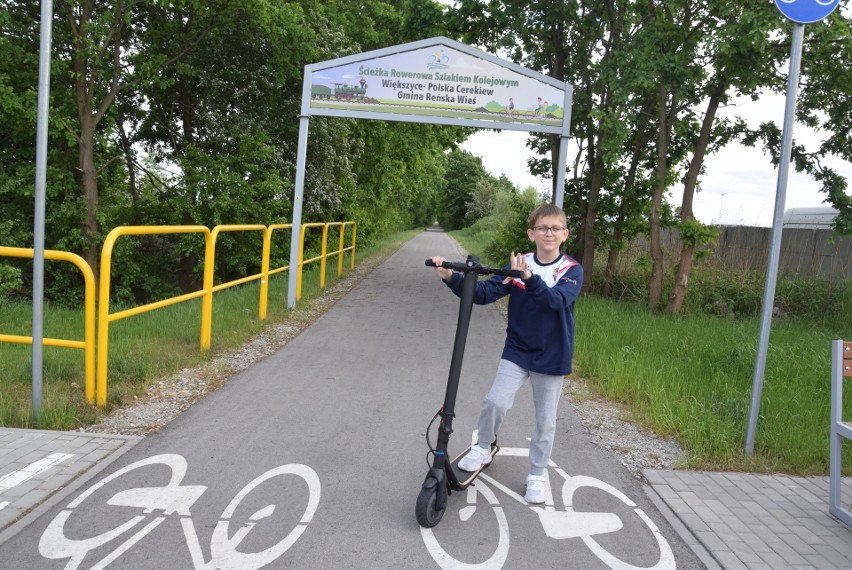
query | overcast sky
(739,186)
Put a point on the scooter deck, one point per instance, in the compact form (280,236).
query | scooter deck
(465,478)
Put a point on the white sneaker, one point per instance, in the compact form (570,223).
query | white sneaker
(535,489)
(475,458)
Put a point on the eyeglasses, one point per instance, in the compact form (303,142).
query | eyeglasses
(548,229)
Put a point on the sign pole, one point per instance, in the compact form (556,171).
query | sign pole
(40,192)
(775,245)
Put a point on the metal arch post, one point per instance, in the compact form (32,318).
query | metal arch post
(298,194)
(299,190)
(564,138)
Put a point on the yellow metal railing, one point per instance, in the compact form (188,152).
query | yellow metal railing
(96,378)
(208,288)
(324,252)
(88,343)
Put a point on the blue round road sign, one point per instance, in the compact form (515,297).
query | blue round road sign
(806,11)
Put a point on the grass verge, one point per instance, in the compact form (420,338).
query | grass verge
(691,377)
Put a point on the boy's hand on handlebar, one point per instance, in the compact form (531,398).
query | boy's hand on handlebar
(518,262)
(442,272)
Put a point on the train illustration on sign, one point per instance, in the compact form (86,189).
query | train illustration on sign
(341,91)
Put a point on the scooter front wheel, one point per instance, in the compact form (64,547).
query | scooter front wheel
(426,512)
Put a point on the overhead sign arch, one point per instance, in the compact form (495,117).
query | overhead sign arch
(437,81)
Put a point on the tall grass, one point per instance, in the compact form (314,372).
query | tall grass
(142,348)
(691,376)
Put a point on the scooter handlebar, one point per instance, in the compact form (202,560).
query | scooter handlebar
(477,268)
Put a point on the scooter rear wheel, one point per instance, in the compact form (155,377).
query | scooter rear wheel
(427,515)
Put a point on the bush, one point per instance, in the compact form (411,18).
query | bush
(10,281)
(511,213)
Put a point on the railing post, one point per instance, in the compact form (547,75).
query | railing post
(340,249)
(103,315)
(207,298)
(323,254)
(352,256)
(264,270)
(301,257)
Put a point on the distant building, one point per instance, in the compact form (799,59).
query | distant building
(810,218)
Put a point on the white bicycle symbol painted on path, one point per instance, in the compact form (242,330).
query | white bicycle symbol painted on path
(558,524)
(176,499)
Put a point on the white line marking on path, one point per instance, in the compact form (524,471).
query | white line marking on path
(35,469)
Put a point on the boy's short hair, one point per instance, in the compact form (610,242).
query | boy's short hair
(547,210)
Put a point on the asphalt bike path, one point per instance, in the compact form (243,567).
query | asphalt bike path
(313,458)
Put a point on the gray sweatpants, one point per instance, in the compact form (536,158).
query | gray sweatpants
(547,391)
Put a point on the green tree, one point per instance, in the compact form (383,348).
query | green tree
(464,171)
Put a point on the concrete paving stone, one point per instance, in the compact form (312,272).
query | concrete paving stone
(796,543)
(712,487)
(742,550)
(755,509)
(745,516)
(694,522)
(707,515)
(691,499)
(774,560)
(58,479)
(759,565)
(819,561)
(788,553)
(15,454)
(82,466)
(755,542)
(689,477)
(780,514)
(737,495)
(841,545)
(678,484)
(723,531)
(87,447)
(718,507)
(51,446)
(736,524)
(679,506)
(730,561)
(99,454)
(805,534)
(9,513)
(19,490)
(835,558)
(17,443)
(711,541)
(765,534)
(653,477)
(666,492)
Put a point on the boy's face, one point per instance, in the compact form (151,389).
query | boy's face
(547,239)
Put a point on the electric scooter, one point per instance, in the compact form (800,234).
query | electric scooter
(444,476)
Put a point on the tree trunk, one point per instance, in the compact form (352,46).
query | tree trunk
(89,181)
(612,258)
(588,259)
(655,289)
(687,253)
(639,142)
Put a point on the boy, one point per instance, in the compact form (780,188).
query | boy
(539,340)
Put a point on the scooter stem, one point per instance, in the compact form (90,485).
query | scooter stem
(465,307)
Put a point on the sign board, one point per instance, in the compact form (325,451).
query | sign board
(437,81)
(806,11)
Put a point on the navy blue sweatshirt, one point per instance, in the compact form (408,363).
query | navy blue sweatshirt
(540,329)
